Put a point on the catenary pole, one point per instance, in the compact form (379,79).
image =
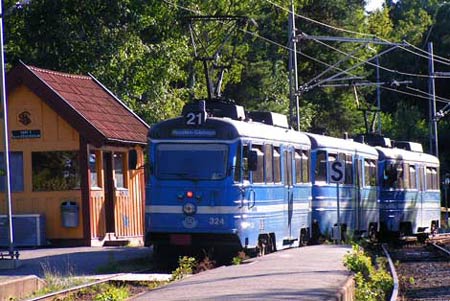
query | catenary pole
(5,138)
(432,104)
(293,73)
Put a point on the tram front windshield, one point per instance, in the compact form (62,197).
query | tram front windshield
(191,161)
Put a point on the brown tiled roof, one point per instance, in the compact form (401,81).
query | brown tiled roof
(85,103)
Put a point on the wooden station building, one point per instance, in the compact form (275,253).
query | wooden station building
(76,160)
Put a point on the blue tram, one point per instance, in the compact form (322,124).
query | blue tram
(347,202)
(409,189)
(220,180)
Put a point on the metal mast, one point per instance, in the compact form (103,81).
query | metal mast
(293,74)
(432,103)
(12,254)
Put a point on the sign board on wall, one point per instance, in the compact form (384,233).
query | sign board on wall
(26,134)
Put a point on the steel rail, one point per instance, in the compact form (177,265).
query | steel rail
(442,249)
(75,288)
(395,289)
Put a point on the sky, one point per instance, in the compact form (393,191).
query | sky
(373,4)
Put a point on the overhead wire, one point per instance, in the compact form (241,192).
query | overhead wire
(263,38)
(319,61)
(438,59)
(440,99)
(368,62)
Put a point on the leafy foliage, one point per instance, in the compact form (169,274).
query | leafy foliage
(142,51)
(186,266)
(372,284)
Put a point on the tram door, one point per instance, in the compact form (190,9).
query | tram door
(109,192)
(289,192)
(359,216)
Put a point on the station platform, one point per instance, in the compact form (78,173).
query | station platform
(313,273)
(19,278)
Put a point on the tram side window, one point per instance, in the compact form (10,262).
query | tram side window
(238,166)
(421,178)
(348,169)
(258,174)
(320,169)
(406,180)
(268,157)
(370,173)
(305,166)
(436,179)
(246,172)
(301,159)
(288,168)
(412,177)
(276,165)
(393,174)
(298,166)
(432,178)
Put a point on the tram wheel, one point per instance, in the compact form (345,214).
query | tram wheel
(303,238)
(373,235)
(266,244)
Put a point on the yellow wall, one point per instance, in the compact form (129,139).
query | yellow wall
(56,135)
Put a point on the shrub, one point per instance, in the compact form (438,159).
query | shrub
(109,292)
(372,284)
(186,266)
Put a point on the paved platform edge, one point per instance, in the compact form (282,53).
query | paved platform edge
(18,287)
(347,291)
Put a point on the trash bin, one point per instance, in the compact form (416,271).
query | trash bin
(69,214)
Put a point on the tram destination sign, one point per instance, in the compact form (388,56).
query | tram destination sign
(193,133)
(25,134)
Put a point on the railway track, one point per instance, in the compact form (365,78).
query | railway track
(423,271)
(135,284)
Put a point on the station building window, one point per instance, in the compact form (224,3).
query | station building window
(94,168)
(119,170)
(55,170)
(16,176)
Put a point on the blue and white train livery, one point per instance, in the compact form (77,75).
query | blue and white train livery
(409,190)
(218,179)
(349,203)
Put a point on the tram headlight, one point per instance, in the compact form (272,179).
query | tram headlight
(245,225)
(189,208)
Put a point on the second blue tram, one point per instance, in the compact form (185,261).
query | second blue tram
(409,190)
(348,205)
(221,182)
